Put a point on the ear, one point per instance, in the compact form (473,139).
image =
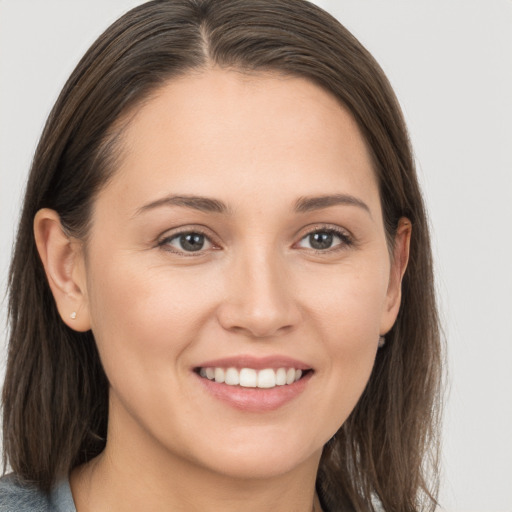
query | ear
(63,262)
(400,258)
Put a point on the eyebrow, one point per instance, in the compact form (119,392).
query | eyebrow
(311,203)
(203,204)
(206,204)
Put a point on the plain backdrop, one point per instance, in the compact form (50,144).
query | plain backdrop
(450,62)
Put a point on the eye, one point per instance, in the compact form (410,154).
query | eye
(190,241)
(324,239)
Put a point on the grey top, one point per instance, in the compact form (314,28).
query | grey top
(19,497)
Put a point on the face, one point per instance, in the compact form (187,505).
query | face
(240,240)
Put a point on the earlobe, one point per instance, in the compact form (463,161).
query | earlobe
(63,263)
(399,263)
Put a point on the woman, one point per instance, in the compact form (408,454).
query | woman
(221,294)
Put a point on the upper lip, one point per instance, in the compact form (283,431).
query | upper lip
(257,363)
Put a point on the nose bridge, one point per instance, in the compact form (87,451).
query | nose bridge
(259,299)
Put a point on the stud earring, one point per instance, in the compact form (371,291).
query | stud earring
(382,341)
(73,315)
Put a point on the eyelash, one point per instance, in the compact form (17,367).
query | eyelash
(165,242)
(346,241)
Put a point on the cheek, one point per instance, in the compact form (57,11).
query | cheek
(144,320)
(345,312)
(131,296)
(347,302)
(143,317)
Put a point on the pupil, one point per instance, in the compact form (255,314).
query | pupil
(320,240)
(192,241)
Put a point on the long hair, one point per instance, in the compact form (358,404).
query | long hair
(55,397)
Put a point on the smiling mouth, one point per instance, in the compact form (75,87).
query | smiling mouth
(266,378)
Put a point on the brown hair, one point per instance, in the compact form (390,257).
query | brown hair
(55,398)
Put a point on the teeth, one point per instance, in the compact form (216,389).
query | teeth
(267,378)
(232,377)
(281,377)
(220,375)
(248,378)
(251,378)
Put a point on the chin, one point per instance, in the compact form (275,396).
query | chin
(260,459)
(259,468)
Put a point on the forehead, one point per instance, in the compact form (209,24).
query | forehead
(210,129)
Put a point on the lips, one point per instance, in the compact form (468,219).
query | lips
(254,384)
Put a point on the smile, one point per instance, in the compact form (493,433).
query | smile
(254,384)
(265,378)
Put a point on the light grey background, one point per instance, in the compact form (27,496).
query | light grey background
(450,62)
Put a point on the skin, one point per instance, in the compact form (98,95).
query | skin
(258,143)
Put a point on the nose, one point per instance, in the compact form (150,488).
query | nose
(260,301)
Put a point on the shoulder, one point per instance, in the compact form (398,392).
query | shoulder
(16,496)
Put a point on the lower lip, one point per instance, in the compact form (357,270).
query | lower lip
(256,399)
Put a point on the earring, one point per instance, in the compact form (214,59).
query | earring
(73,315)
(382,341)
